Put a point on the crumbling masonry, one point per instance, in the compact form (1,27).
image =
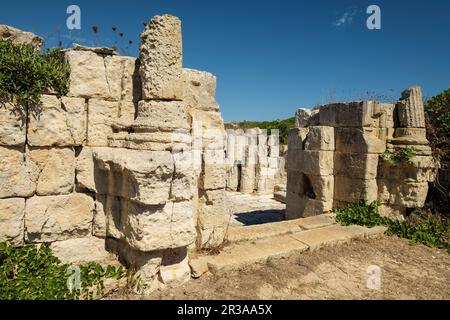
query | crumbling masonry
(131,160)
(336,155)
(134,160)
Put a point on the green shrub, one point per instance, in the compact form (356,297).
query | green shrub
(32,272)
(401,155)
(360,213)
(429,230)
(282,125)
(26,74)
(437,115)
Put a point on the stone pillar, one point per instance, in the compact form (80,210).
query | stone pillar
(151,189)
(161,59)
(410,109)
(212,213)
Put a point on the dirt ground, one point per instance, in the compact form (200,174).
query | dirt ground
(408,271)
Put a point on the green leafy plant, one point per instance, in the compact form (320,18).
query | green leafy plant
(360,213)
(430,230)
(401,155)
(32,272)
(25,74)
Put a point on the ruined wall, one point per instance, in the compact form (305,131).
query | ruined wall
(208,145)
(337,156)
(47,187)
(113,166)
(254,162)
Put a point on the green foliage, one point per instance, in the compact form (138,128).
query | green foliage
(32,272)
(433,232)
(437,115)
(401,155)
(437,120)
(282,125)
(26,74)
(360,213)
(429,230)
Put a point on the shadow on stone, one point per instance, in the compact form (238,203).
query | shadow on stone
(259,217)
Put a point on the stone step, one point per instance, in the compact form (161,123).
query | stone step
(266,230)
(242,254)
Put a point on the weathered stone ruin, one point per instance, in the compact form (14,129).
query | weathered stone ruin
(337,155)
(134,162)
(131,161)
(254,161)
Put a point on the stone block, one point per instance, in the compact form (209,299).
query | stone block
(20,37)
(122,74)
(58,123)
(403,193)
(85,170)
(410,136)
(13,129)
(142,176)
(297,137)
(352,114)
(212,209)
(331,235)
(359,140)
(274,151)
(320,138)
(319,163)
(418,168)
(183,185)
(161,59)
(101,116)
(17,174)
(248,175)
(127,111)
(175,270)
(295,159)
(55,170)
(212,237)
(149,228)
(302,117)
(109,219)
(350,190)
(356,165)
(82,250)
(213,177)
(386,112)
(315,207)
(295,205)
(200,90)
(99,222)
(161,115)
(319,188)
(53,218)
(12,214)
(87,75)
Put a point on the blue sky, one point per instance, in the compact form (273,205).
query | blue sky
(273,56)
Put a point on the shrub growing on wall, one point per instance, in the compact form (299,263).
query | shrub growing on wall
(25,74)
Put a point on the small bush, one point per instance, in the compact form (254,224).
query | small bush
(401,155)
(32,272)
(282,125)
(429,230)
(25,74)
(360,213)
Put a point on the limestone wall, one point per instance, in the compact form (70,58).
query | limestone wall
(337,156)
(129,162)
(254,161)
